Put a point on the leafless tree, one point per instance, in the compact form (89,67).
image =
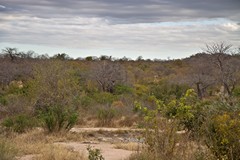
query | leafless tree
(227,67)
(200,74)
(107,74)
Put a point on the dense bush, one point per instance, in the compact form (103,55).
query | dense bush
(19,123)
(221,130)
(106,116)
(57,118)
(122,89)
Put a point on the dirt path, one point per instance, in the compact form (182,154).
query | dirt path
(79,130)
(108,151)
(100,138)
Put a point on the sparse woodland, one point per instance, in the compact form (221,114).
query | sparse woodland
(188,108)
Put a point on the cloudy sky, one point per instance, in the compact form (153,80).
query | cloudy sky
(149,28)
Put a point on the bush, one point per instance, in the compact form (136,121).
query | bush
(19,123)
(106,116)
(86,101)
(122,89)
(57,118)
(94,154)
(104,98)
(222,134)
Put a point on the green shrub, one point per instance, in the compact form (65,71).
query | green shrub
(166,91)
(106,116)
(221,132)
(104,98)
(3,101)
(19,123)
(94,154)
(86,101)
(7,152)
(57,118)
(122,89)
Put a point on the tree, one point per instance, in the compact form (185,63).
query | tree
(107,74)
(11,53)
(226,65)
(200,74)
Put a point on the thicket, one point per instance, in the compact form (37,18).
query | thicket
(198,96)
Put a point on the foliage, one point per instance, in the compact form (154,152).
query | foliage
(161,133)
(106,116)
(57,118)
(122,89)
(221,130)
(19,123)
(94,154)
(166,91)
(104,97)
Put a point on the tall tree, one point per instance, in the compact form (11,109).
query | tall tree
(225,64)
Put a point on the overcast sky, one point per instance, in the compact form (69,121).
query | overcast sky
(149,28)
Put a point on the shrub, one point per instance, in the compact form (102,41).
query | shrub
(86,101)
(19,123)
(222,135)
(94,154)
(106,116)
(104,98)
(122,89)
(57,118)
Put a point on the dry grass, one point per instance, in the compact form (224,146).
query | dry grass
(53,152)
(37,142)
(131,146)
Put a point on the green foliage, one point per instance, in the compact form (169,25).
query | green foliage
(86,101)
(122,89)
(7,152)
(57,118)
(163,122)
(166,91)
(94,154)
(106,116)
(3,100)
(19,123)
(236,91)
(104,97)
(221,130)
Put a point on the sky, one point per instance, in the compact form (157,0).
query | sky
(159,29)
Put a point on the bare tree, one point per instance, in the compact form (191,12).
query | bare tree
(11,53)
(200,74)
(108,74)
(225,64)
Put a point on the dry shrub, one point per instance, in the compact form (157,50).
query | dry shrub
(7,151)
(35,141)
(53,152)
(131,146)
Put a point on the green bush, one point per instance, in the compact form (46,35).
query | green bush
(166,91)
(106,116)
(104,97)
(57,118)
(94,154)
(86,101)
(221,131)
(19,123)
(122,89)
(3,101)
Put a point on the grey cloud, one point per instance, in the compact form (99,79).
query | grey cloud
(128,11)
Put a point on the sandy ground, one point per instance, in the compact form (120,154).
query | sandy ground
(78,130)
(108,151)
